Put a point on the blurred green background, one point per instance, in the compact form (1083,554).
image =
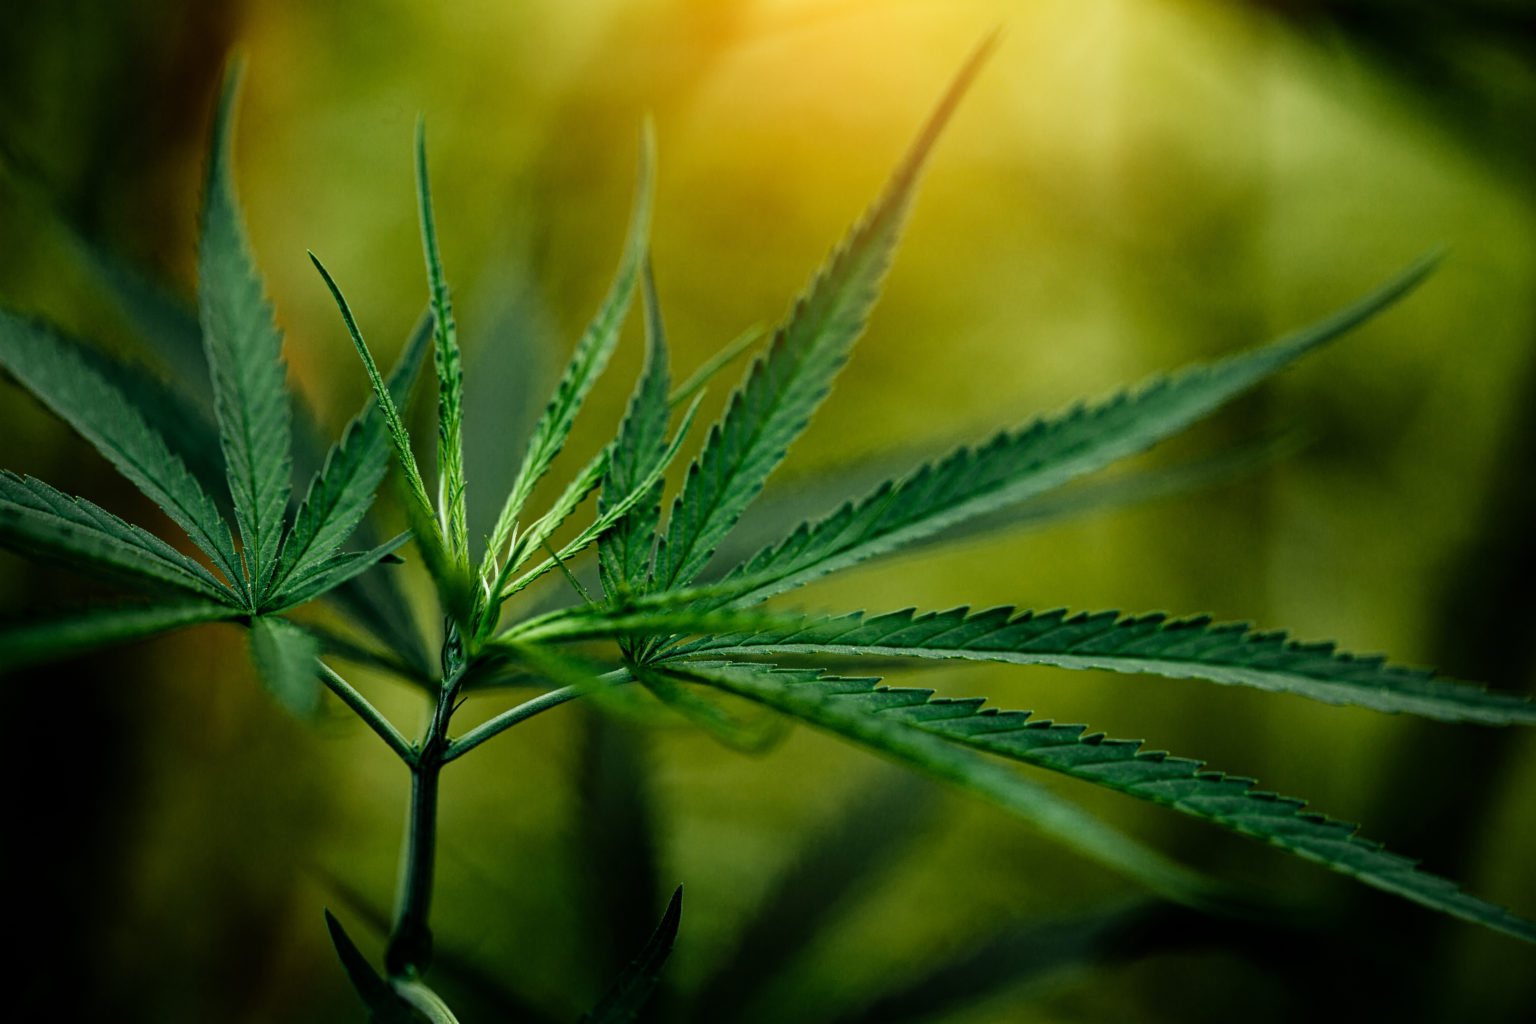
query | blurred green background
(1131,185)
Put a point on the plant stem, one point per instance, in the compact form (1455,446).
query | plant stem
(524,711)
(368,713)
(410,938)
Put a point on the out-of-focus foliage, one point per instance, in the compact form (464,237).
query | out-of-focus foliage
(1135,183)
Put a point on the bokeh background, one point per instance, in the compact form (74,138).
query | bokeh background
(1131,185)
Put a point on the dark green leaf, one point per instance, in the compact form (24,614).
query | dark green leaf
(331,573)
(245,357)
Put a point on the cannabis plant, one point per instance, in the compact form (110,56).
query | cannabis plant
(661,628)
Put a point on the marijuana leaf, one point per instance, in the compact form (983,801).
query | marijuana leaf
(245,357)
(1230,653)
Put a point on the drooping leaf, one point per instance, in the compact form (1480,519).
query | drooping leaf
(624,552)
(908,722)
(99,413)
(42,521)
(384,1007)
(341,493)
(245,357)
(1044,455)
(30,642)
(786,384)
(286,658)
(1229,653)
(589,358)
(450,374)
(629,994)
(331,573)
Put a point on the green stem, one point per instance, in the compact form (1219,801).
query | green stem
(410,938)
(524,711)
(368,713)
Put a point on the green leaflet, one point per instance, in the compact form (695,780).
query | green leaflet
(1229,653)
(245,358)
(641,617)
(888,720)
(41,520)
(629,994)
(180,421)
(606,520)
(785,386)
(450,374)
(805,695)
(27,643)
(587,361)
(714,364)
(398,436)
(1042,456)
(100,413)
(331,573)
(624,553)
(341,493)
(287,662)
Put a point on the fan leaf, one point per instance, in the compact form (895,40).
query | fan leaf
(786,384)
(1228,653)
(245,358)
(908,722)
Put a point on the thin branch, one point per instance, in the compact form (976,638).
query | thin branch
(368,713)
(526,710)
